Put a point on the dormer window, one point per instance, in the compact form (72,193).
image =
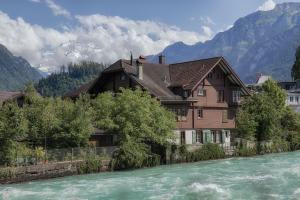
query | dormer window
(210,75)
(185,93)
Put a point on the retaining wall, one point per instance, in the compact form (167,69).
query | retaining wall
(43,171)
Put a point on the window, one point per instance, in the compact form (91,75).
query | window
(180,113)
(122,77)
(185,93)
(183,114)
(225,116)
(221,96)
(291,99)
(182,137)
(201,92)
(236,96)
(199,137)
(297,99)
(200,113)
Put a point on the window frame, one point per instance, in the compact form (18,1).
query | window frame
(203,92)
(221,98)
(200,111)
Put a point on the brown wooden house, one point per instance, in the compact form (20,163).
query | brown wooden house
(204,94)
(11,96)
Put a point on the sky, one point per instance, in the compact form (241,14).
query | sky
(50,33)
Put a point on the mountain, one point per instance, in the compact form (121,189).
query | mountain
(262,42)
(15,72)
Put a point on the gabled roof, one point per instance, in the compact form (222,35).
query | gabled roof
(188,74)
(7,96)
(159,79)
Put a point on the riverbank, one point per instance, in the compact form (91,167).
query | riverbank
(271,176)
(50,170)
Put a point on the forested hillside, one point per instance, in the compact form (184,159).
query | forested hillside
(69,78)
(15,71)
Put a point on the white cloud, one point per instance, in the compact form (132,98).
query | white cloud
(57,9)
(267,5)
(95,37)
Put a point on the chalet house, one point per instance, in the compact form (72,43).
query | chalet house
(292,89)
(11,96)
(203,94)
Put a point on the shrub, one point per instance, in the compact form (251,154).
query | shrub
(90,164)
(244,151)
(132,155)
(207,152)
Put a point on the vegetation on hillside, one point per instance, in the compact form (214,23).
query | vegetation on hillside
(70,78)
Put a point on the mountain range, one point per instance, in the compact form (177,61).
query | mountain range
(15,71)
(262,42)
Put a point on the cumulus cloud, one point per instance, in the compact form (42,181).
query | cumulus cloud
(267,5)
(95,37)
(57,9)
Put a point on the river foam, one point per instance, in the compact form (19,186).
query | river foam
(274,176)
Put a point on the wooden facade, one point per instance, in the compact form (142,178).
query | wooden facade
(203,94)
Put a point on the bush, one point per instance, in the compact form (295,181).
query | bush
(244,151)
(132,155)
(207,152)
(293,139)
(90,165)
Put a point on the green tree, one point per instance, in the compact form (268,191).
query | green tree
(140,122)
(296,67)
(13,129)
(262,113)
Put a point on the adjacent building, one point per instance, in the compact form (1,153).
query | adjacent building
(11,96)
(293,94)
(203,94)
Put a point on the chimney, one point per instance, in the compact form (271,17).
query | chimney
(258,75)
(139,67)
(161,59)
(131,58)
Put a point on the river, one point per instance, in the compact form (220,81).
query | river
(273,176)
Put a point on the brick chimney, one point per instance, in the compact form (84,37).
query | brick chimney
(161,59)
(139,67)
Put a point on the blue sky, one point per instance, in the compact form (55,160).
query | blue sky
(49,33)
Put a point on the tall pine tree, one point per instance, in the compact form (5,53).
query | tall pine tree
(296,67)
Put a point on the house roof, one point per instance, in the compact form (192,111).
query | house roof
(6,96)
(159,79)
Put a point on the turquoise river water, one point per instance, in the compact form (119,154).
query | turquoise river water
(274,176)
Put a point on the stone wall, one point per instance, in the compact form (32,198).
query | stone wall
(43,171)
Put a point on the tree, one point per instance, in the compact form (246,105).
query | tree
(140,122)
(13,129)
(296,67)
(262,113)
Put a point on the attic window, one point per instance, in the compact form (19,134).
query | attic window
(185,93)
(201,92)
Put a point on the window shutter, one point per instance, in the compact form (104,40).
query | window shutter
(223,136)
(193,137)
(206,136)
(204,93)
